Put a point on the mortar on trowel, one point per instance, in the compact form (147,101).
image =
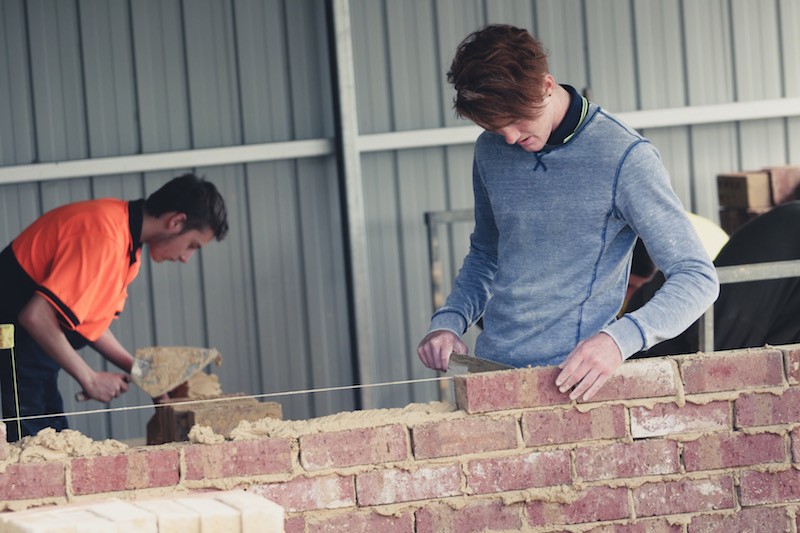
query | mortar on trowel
(177,372)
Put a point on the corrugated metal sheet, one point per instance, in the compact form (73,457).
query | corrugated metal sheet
(95,78)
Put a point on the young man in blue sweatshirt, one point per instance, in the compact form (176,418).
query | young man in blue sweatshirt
(562,190)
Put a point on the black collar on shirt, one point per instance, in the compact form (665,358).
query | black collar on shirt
(135,220)
(571,120)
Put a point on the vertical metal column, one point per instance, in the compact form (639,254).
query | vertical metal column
(349,161)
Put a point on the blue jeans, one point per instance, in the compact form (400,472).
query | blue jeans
(37,387)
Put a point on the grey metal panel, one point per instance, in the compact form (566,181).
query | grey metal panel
(58,89)
(612,71)
(371,67)
(161,84)
(279,305)
(455,19)
(420,189)
(414,71)
(709,78)
(662,84)
(790,54)
(385,257)
(309,72)
(16,115)
(19,204)
(559,25)
(518,13)
(756,52)
(265,91)
(108,75)
(328,346)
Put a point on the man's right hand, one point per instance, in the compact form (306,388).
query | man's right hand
(436,347)
(105,386)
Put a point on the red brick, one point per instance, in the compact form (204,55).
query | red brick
(738,449)
(33,480)
(463,436)
(642,458)
(670,419)
(362,523)
(685,496)
(294,524)
(560,426)
(646,378)
(238,458)
(92,475)
(657,525)
(768,409)
(380,487)
(796,445)
(310,493)
(354,447)
(153,468)
(746,520)
(595,504)
(517,472)
(514,389)
(477,515)
(792,358)
(756,488)
(736,370)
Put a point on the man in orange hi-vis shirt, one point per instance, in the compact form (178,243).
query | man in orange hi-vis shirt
(65,279)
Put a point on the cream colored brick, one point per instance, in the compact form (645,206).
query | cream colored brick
(172,517)
(55,520)
(258,513)
(127,517)
(215,516)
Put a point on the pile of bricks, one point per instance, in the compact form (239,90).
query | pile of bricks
(688,443)
(209,512)
(745,195)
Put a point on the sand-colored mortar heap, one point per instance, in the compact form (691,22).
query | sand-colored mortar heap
(673,444)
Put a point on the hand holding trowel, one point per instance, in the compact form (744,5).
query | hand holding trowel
(159,369)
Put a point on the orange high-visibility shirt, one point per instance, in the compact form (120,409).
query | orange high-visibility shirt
(82,257)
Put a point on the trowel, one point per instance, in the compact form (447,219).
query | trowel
(476,364)
(159,369)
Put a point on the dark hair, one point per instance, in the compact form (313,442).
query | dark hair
(498,74)
(197,198)
(641,264)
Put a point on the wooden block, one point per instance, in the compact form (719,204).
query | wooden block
(172,421)
(784,182)
(744,189)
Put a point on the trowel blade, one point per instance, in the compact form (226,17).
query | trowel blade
(159,369)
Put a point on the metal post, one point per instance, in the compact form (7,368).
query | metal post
(349,162)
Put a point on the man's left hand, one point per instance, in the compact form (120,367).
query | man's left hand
(589,366)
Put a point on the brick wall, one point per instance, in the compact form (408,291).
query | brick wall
(681,444)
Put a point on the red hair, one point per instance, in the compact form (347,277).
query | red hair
(498,73)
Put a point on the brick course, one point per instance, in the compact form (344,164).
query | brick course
(695,443)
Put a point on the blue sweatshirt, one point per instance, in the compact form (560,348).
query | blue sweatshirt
(551,249)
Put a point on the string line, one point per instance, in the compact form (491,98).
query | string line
(230,398)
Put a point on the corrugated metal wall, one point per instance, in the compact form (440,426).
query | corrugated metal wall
(94,78)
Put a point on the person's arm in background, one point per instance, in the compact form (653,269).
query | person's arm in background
(40,321)
(471,288)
